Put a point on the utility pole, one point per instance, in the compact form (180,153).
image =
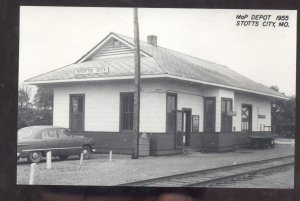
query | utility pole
(137,82)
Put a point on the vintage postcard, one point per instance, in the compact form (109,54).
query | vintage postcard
(156,97)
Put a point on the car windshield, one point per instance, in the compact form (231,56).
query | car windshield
(25,133)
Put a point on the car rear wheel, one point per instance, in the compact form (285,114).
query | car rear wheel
(86,150)
(34,157)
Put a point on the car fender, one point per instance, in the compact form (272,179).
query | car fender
(24,147)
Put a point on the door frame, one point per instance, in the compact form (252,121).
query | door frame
(176,99)
(83,110)
(215,112)
(51,141)
(222,116)
(187,135)
(250,118)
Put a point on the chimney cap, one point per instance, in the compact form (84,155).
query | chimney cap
(152,40)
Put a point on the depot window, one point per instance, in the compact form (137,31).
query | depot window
(126,111)
(171,112)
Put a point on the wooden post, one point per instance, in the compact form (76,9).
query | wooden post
(49,157)
(81,158)
(137,74)
(110,156)
(31,176)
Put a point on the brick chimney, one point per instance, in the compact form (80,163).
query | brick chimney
(152,40)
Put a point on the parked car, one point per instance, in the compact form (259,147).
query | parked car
(35,141)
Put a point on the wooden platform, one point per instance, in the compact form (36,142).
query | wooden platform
(262,141)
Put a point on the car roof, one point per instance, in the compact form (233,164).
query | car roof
(42,127)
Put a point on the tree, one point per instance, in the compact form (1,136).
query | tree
(43,98)
(24,98)
(283,111)
(43,102)
(25,113)
(36,112)
(274,87)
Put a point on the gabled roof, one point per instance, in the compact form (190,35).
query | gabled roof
(155,62)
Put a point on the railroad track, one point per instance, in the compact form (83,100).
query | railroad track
(221,176)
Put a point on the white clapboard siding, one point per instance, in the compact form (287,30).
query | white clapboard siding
(152,112)
(102,106)
(260,105)
(61,107)
(188,96)
(219,93)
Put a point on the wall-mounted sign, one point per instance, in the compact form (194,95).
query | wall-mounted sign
(231,113)
(92,70)
(195,123)
(261,116)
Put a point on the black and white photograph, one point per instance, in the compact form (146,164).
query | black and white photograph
(156,97)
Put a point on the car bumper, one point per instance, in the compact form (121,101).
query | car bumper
(93,149)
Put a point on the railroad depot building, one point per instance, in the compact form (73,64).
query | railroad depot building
(184,99)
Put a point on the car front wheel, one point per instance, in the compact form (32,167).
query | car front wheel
(34,157)
(86,150)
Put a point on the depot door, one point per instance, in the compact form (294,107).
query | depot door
(226,120)
(246,118)
(187,124)
(209,114)
(77,112)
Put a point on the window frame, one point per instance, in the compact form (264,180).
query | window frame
(71,110)
(64,133)
(122,94)
(47,131)
(176,99)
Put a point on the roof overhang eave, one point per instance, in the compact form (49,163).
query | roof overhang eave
(228,87)
(155,76)
(90,79)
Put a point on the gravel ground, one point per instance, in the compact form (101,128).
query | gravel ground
(99,171)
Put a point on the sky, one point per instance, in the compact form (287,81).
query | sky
(52,37)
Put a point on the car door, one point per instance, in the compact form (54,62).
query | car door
(68,144)
(50,141)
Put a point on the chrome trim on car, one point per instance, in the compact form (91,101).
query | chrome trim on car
(22,145)
(51,149)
